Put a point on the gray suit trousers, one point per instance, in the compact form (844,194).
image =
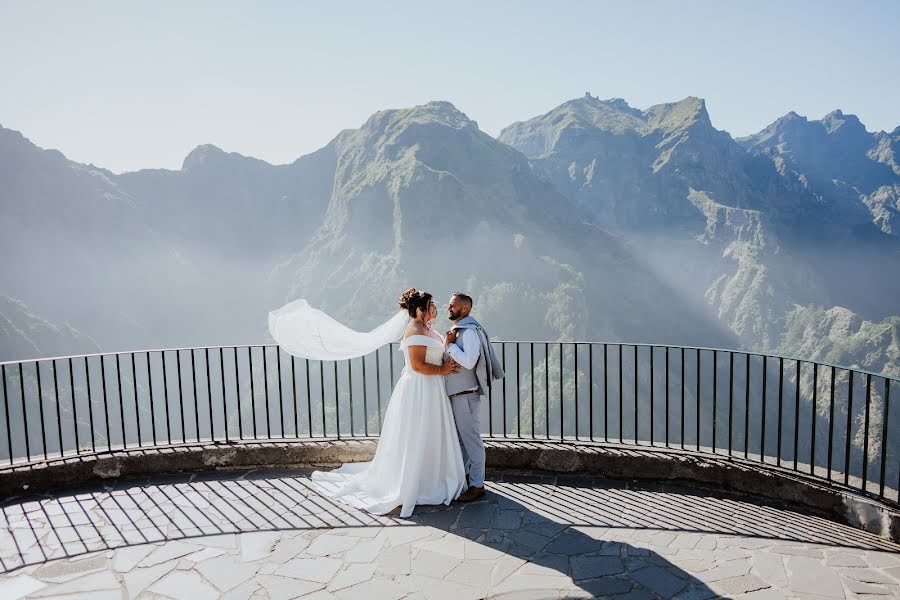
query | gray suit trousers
(467,413)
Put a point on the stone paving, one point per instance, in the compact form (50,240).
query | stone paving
(267,534)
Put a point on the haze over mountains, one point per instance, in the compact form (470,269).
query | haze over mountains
(595,221)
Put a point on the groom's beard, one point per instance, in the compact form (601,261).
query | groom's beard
(455,316)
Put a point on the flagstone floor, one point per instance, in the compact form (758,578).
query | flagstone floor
(267,534)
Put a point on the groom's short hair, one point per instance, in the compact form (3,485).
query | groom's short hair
(465,298)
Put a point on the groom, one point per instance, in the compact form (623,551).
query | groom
(468,344)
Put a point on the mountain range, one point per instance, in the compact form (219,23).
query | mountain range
(594,221)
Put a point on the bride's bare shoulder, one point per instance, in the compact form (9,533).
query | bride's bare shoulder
(414,328)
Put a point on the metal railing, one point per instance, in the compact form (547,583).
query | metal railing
(825,421)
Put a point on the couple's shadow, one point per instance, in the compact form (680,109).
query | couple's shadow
(535,555)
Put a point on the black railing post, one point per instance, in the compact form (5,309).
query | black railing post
(715,415)
(252,390)
(746,405)
(137,409)
(762,431)
(531,349)
(831,424)
(797,415)
(697,394)
(490,396)
(105,401)
(322,389)
(280,392)
(884,433)
(666,381)
(730,401)
(337,401)
(58,414)
(503,385)
(74,408)
(591,391)
(294,388)
(605,396)
(681,360)
(365,398)
(780,404)
(237,391)
(812,427)
(40,399)
(652,407)
(865,466)
(25,413)
(224,399)
(6,409)
(636,394)
(561,419)
(194,394)
(181,395)
(575,358)
(87,376)
(308,400)
(265,373)
(847,430)
(518,394)
(350,392)
(121,401)
(546,386)
(212,431)
(391,362)
(621,405)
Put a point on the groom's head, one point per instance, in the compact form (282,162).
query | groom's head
(459,307)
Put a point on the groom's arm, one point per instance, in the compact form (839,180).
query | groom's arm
(467,358)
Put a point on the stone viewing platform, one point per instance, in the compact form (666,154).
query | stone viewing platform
(614,470)
(265,533)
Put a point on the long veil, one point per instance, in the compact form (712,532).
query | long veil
(306,332)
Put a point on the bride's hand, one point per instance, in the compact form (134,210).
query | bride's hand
(450,366)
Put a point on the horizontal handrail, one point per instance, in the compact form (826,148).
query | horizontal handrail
(629,344)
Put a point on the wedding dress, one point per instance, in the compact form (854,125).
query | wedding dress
(418,459)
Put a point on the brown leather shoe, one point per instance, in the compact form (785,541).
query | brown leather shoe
(473,493)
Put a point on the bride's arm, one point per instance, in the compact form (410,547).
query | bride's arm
(417,363)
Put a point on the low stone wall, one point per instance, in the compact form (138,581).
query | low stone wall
(602,460)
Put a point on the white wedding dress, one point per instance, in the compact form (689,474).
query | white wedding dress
(418,459)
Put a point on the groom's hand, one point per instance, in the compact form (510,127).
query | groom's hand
(451,337)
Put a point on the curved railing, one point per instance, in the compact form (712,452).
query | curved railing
(827,422)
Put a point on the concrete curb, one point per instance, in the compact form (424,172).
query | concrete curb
(608,461)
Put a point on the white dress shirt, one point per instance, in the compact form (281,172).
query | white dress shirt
(467,358)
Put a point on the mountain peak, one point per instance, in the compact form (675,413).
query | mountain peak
(679,115)
(620,104)
(208,155)
(836,121)
(438,112)
(791,120)
(201,155)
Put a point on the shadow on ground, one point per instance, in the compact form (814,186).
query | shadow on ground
(540,533)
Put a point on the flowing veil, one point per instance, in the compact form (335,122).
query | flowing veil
(306,332)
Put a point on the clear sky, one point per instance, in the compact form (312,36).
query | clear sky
(129,85)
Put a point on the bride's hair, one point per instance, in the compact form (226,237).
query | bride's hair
(413,299)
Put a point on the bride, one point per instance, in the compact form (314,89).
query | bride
(418,459)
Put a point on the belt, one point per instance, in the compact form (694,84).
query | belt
(466,393)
